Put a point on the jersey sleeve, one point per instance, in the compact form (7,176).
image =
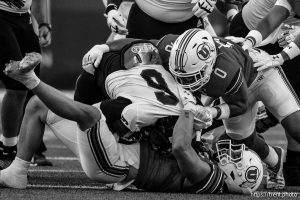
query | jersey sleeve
(164,46)
(285,4)
(236,83)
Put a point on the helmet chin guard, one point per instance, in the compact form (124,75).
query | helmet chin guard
(192,58)
(243,167)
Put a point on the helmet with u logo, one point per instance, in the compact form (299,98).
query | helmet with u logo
(243,167)
(192,58)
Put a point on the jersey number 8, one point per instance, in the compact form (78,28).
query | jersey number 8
(165,96)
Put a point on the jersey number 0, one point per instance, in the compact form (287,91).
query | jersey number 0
(166,96)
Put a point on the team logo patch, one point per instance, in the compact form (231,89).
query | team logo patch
(252,174)
(144,47)
(203,51)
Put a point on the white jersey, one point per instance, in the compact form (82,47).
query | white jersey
(15,9)
(152,90)
(255,10)
(169,11)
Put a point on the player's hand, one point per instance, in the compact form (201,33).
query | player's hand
(203,8)
(288,35)
(93,57)
(269,61)
(44,36)
(203,118)
(116,22)
(237,40)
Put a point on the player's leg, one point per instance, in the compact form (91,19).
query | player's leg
(14,97)
(85,115)
(279,98)
(31,134)
(105,160)
(242,130)
(207,177)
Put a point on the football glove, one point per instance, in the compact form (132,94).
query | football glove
(234,39)
(116,22)
(93,57)
(269,61)
(289,35)
(203,8)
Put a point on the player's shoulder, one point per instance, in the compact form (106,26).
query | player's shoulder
(164,46)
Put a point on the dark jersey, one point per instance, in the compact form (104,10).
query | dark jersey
(161,173)
(233,66)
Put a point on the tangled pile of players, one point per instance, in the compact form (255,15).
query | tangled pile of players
(141,106)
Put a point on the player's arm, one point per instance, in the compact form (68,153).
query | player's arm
(288,53)
(205,176)
(93,57)
(236,99)
(269,23)
(40,10)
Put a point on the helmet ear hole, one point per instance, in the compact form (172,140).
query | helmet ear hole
(232,175)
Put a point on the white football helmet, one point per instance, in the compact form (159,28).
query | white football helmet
(192,58)
(243,167)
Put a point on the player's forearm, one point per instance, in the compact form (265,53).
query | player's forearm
(86,116)
(183,132)
(265,27)
(292,50)
(40,10)
(277,15)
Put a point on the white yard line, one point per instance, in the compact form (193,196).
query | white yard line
(68,187)
(63,158)
(54,170)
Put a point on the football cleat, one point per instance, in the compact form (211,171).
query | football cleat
(39,159)
(275,179)
(28,63)
(8,155)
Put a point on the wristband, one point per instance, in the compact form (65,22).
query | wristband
(219,111)
(292,50)
(254,37)
(47,25)
(110,7)
(225,111)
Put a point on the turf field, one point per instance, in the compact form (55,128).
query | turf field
(66,180)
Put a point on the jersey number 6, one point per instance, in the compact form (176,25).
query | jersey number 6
(166,96)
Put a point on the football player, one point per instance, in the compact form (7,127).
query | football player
(264,19)
(17,37)
(152,19)
(102,158)
(230,77)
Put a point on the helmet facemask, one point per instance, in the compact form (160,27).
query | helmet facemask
(243,168)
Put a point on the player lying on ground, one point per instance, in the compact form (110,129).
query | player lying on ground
(105,160)
(229,75)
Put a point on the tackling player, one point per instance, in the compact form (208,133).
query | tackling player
(105,160)
(230,78)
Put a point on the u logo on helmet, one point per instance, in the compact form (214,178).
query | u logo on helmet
(203,51)
(252,174)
